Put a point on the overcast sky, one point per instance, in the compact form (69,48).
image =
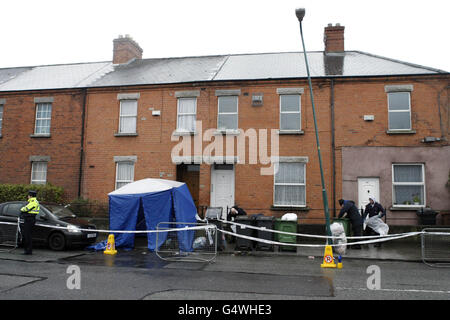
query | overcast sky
(49,32)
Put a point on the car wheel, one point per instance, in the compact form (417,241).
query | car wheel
(57,241)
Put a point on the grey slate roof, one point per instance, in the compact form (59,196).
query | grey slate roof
(207,68)
(55,76)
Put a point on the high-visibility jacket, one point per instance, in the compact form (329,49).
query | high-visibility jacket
(32,206)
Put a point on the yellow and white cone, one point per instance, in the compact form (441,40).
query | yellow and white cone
(110,246)
(328,260)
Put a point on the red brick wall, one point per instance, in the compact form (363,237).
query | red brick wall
(353,99)
(63,147)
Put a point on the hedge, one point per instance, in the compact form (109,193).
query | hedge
(19,192)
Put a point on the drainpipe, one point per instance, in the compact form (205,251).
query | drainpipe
(333,146)
(83,114)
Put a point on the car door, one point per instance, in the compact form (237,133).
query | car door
(11,212)
(43,226)
(9,215)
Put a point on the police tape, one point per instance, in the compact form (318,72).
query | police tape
(70,228)
(306,235)
(382,239)
(208,226)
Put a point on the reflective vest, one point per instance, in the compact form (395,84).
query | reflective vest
(32,206)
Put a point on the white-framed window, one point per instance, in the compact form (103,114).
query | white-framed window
(227,116)
(290,184)
(399,106)
(408,184)
(290,112)
(124,173)
(43,118)
(187,114)
(1,118)
(39,172)
(128,116)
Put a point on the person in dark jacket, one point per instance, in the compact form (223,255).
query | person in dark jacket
(348,207)
(373,208)
(235,211)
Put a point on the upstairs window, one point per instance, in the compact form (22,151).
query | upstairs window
(187,113)
(290,115)
(1,119)
(227,117)
(128,116)
(399,104)
(43,118)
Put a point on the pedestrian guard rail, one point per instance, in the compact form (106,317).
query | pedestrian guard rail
(435,243)
(10,235)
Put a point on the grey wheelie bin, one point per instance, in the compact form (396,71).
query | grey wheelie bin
(243,243)
(266,223)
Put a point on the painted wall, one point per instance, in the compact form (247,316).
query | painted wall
(377,162)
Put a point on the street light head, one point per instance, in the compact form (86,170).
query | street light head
(300,13)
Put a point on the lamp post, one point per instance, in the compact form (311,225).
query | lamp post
(300,13)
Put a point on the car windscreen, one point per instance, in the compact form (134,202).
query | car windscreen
(59,211)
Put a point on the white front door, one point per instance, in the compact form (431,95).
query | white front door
(368,187)
(222,187)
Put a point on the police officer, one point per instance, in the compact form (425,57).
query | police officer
(348,207)
(29,213)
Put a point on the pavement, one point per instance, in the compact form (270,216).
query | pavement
(393,250)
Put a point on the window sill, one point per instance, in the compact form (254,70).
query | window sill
(125,134)
(37,135)
(184,133)
(284,208)
(407,208)
(294,132)
(227,132)
(401,131)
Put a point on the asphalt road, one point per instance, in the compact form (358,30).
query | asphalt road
(141,275)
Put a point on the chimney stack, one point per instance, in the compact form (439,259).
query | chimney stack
(334,38)
(125,49)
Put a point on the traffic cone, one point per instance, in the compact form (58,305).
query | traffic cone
(328,260)
(110,246)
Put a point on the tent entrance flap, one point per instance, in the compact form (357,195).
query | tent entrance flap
(141,223)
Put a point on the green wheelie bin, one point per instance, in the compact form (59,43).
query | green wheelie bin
(286,226)
(346,224)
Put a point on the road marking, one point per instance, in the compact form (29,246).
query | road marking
(397,290)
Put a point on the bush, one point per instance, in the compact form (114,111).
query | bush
(19,192)
(88,208)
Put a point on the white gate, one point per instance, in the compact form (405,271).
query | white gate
(436,247)
(202,249)
(9,235)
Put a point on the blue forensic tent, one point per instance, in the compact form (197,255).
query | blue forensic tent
(151,201)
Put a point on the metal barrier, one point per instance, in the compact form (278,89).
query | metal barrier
(436,247)
(9,235)
(203,247)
